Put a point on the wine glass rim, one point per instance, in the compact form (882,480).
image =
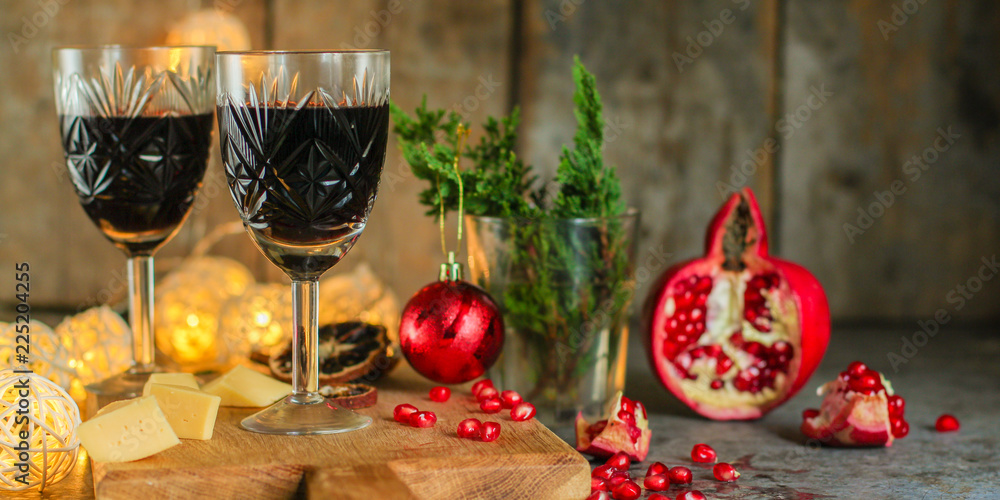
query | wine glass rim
(153,48)
(293,52)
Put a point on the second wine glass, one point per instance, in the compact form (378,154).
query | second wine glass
(303,137)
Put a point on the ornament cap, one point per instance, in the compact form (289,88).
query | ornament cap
(451,270)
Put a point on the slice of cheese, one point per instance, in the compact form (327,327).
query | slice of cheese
(181,379)
(190,412)
(127,430)
(245,387)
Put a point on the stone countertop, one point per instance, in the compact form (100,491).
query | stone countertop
(956,371)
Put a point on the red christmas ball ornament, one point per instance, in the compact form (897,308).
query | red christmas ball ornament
(451,331)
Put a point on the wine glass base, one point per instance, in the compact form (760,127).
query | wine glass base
(295,419)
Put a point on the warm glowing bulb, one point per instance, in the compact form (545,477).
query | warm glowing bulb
(262,318)
(192,320)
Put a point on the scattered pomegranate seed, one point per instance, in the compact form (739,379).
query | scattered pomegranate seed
(478,386)
(470,428)
(491,431)
(725,472)
(423,419)
(402,413)
(491,405)
(680,475)
(604,471)
(900,428)
(691,495)
(703,454)
(627,491)
(946,423)
(487,393)
(617,480)
(810,413)
(510,399)
(599,495)
(522,411)
(896,406)
(656,482)
(598,484)
(620,461)
(440,394)
(656,469)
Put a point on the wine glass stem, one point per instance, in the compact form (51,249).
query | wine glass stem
(305,341)
(140,312)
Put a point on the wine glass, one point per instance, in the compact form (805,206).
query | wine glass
(136,127)
(303,138)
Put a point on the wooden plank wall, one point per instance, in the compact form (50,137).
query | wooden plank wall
(822,102)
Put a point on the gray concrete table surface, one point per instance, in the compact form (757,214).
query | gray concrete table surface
(956,371)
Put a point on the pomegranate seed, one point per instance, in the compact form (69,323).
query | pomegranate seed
(440,394)
(599,495)
(946,423)
(423,419)
(896,406)
(492,405)
(628,405)
(691,495)
(856,369)
(478,386)
(716,384)
(703,454)
(680,475)
(656,469)
(402,413)
(487,393)
(509,399)
(470,428)
(810,413)
(522,411)
(900,428)
(723,365)
(634,433)
(627,491)
(626,417)
(656,482)
(725,472)
(866,383)
(598,484)
(620,461)
(604,471)
(491,431)
(617,479)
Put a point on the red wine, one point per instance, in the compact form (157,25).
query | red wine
(304,179)
(137,177)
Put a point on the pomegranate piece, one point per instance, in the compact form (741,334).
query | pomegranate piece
(492,405)
(656,469)
(510,399)
(946,423)
(470,428)
(680,475)
(703,454)
(598,484)
(625,429)
(604,471)
(488,392)
(691,495)
(656,482)
(725,472)
(401,413)
(522,411)
(423,419)
(620,461)
(858,409)
(736,333)
(628,490)
(491,431)
(439,394)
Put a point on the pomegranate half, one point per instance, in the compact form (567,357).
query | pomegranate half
(737,332)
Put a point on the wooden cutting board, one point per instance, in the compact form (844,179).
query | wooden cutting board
(386,460)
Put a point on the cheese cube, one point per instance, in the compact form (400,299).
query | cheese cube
(190,412)
(245,387)
(181,379)
(127,430)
